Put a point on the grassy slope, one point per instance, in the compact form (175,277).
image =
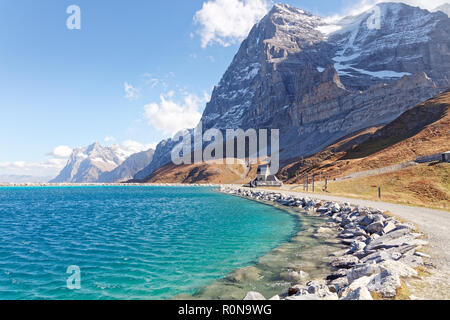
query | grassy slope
(421,131)
(426,185)
(203,173)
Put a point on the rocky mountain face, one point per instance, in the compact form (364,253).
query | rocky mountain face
(128,168)
(108,164)
(161,157)
(318,81)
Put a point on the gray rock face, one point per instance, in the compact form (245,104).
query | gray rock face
(296,84)
(95,163)
(317,87)
(128,168)
(87,164)
(161,157)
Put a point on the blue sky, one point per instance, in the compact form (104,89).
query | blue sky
(110,81)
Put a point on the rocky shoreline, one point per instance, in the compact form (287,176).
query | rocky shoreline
(382,255)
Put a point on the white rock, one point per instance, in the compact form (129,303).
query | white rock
(399,268)
(360,293)
(390,226)
(255,296)
(385,284)
(363,271)
(421,254)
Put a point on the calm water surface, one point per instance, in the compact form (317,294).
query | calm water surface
(129,242)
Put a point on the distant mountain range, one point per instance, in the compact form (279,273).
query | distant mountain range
(96,163)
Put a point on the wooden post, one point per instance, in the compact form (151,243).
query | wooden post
(307,182)
(379,193)
(326,184)
(313,183)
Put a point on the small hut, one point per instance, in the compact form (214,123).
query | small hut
(265,179)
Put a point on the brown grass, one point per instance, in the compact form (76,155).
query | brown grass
(203,173)
(421,131)
(423,185)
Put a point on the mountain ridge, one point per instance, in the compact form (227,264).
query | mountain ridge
(96,163)
(317,87)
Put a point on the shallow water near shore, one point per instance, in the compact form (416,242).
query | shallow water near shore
(131,242)
(271,274)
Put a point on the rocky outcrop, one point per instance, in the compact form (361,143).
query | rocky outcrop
(127,170)
(161,157)
(382,252)
(87,164)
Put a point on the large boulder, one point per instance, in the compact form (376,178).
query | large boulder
(385,284)
(375,227)
(390,254)
(363,271)
(360,293)
(255,296)
(399,268)
(390,226)
(380,242)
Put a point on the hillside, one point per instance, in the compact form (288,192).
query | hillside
(203,173)
(423,185)
(420,131)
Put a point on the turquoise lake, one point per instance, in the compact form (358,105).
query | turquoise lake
(129,242)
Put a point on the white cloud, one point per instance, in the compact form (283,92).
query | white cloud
(170,116)
(50,167)
(135,147)
(228,21)
(109,139)
(153,81)
(131,93)
(61,152)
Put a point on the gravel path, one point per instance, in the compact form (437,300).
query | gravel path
(436,226)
